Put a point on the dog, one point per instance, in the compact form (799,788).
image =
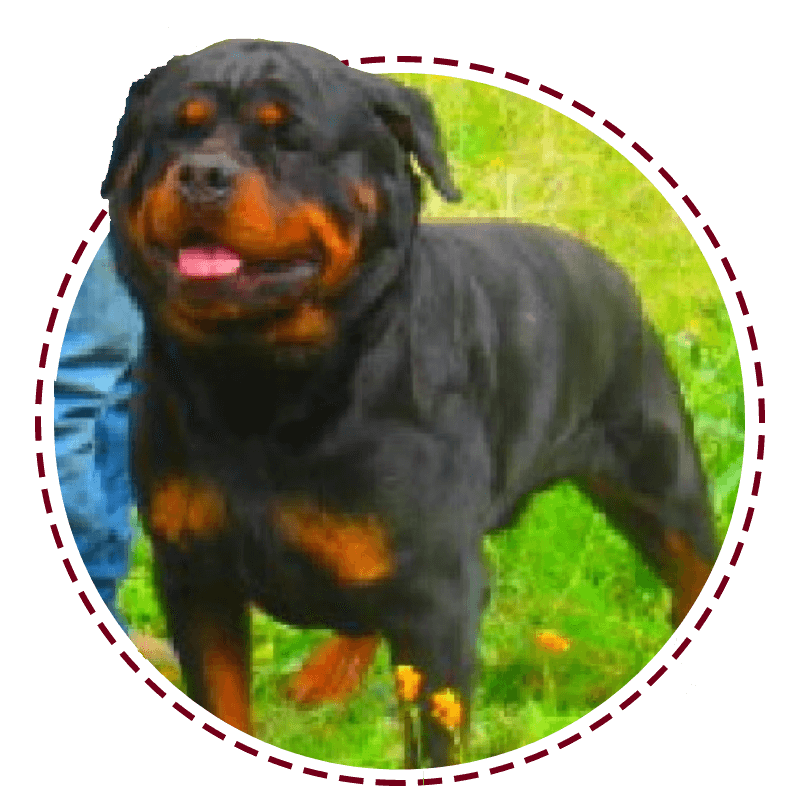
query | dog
(339,401)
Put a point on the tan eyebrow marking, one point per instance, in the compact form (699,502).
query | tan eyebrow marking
(197,111)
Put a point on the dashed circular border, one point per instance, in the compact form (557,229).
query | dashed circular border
(637,688)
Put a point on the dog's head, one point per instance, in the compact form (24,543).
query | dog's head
(251,184)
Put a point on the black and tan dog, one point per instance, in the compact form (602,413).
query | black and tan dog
(339,402)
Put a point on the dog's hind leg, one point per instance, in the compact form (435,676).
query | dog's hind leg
(650,482)
(333,672)
(677,552)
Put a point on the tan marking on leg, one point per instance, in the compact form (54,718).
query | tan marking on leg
(182,508)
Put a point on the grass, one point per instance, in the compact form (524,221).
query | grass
(563,569)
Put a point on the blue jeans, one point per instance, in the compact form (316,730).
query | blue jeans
(92,393)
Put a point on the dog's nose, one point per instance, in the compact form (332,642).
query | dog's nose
(206,179)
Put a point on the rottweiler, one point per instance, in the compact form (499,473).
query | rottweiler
(339,402)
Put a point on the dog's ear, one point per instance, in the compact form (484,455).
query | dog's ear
(411,118)
(124,161)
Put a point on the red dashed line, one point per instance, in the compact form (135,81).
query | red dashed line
(598,723)
(726,265)
(703,617)
(668,178)
(742,304)
(181,709)
(37,428)
(681,649)
(576,737)
(614,129)
(551,92)
(314,773)
(107,635)
(98,220)
(760,449)
(537,756)
(583,109)
(632,698)
(748,518)
(151,684)
(51,322)
(79,252)
(246,748)
(59,542)
(482,68)
(517,78)
(761,410)
(129,661)
(711,237)
(70,571)
(62,290)
(656,675)
(87,603)
(215,732)
(346,62)
(693,210)
(357,779)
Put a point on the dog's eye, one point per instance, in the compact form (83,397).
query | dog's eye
(271,114)
(196,111)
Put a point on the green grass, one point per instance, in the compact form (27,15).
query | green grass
(563,568)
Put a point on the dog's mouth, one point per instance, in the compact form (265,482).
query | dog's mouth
(218,262)
(211,281)
(202,257)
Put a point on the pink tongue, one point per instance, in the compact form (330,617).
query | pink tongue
(208,262)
